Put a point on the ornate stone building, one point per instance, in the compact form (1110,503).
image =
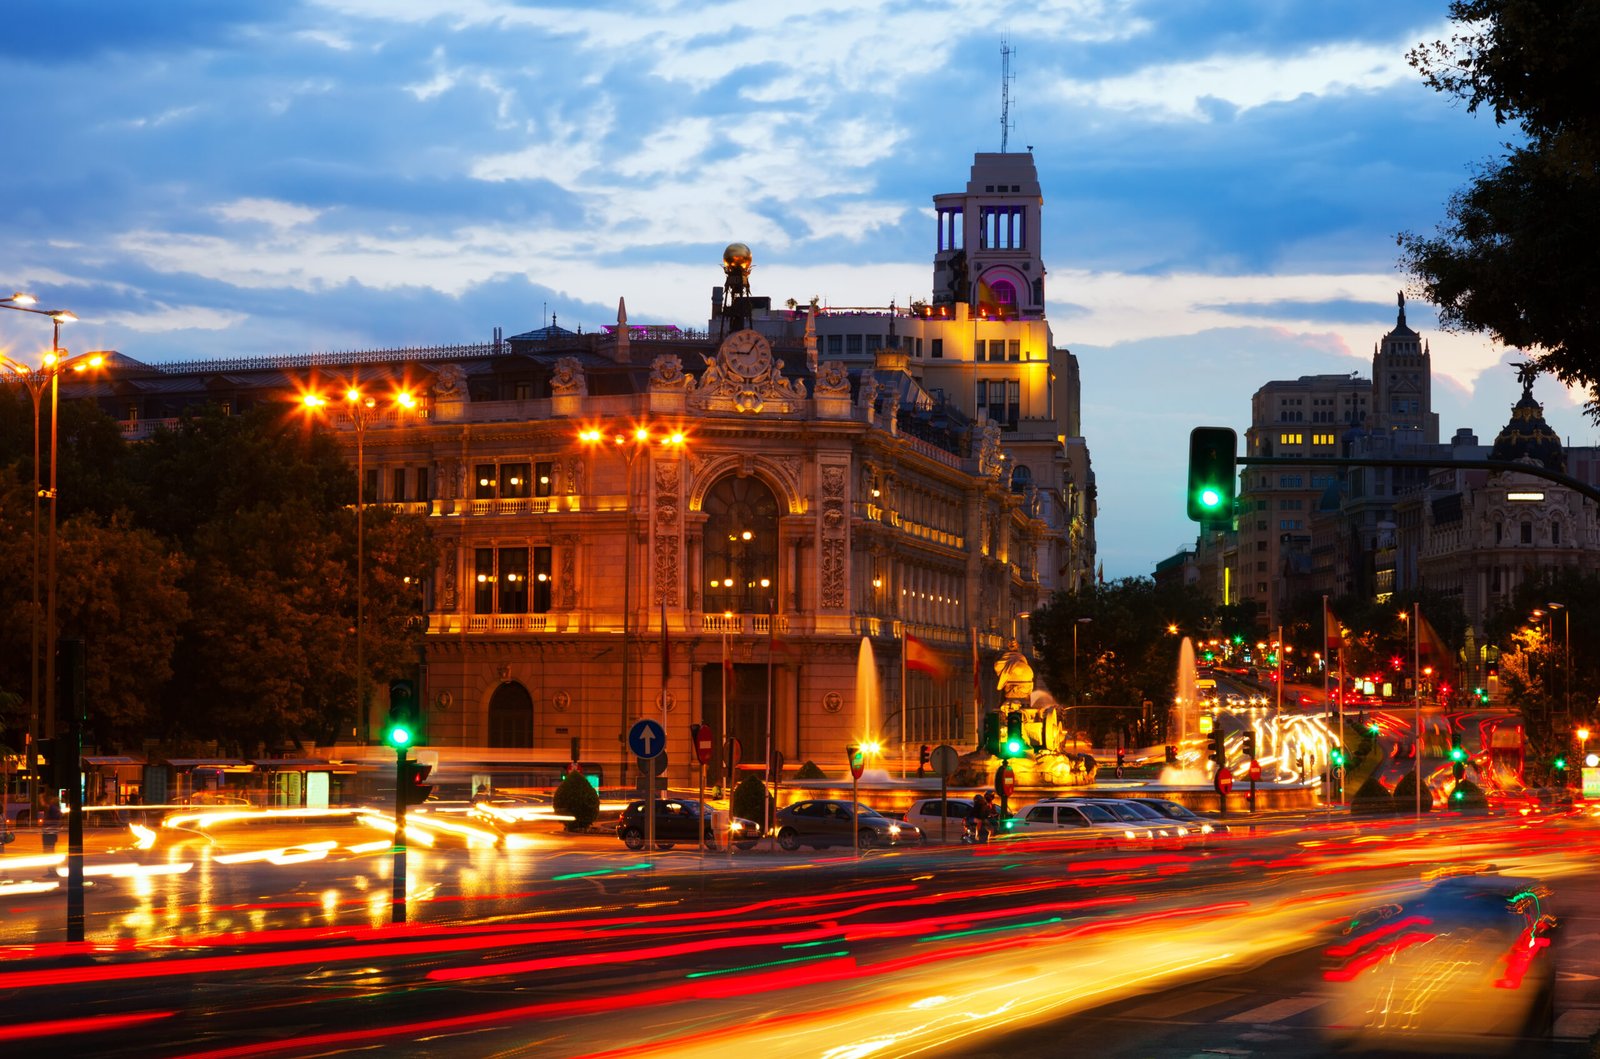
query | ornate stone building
(733,527)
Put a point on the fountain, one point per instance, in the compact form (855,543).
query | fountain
(869,712)
(1185,703)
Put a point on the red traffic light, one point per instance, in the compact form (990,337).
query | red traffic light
(409,787)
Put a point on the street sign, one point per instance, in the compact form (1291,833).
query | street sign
(1224,781)
(858,760)
(704,742)
(1005,780)
(944,760)
(647,738)
(657,765)
(1255,771)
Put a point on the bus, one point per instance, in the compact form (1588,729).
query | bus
(458,772)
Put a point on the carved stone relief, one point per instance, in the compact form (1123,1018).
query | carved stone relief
(666,579)
(574,475)
(568,583)
(449,579)
(833,573)
(833,380)
(667,374)
(568,379)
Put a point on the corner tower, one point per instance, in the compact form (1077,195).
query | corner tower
(987,251)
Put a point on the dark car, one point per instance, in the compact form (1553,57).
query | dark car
(682,820)
(1464,967)
(818,823)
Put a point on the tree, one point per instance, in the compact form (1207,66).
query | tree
(578,799)
(1125,653)
(1516,258)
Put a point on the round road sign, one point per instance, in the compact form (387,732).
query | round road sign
(944,760)
(1005,780)
(705,743)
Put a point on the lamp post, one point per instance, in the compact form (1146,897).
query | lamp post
(1566,663)
(55,362)
(362,409)
(1077,690)
(629,443)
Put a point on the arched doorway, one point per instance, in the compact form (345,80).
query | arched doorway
(511,716)
(741,546)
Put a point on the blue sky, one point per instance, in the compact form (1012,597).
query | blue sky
(1223,182)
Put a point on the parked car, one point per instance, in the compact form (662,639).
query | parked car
(926,814)
(1463,967)
(1075,819)
(681,820)
(827,822)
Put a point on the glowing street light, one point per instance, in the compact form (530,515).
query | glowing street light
(629,443)
(362,409)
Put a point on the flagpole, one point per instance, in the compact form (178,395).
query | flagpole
(1326,639)
(727,736)
(977,722)
(772,630)
(902,700)
(1416,691)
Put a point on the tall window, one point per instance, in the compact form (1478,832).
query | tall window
(513,582)
(741,546)
(514,480)
(397,491)
(541,479)
(485,483)
(483,581)
(541,580)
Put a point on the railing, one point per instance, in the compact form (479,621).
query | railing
(522,505)
(317,360)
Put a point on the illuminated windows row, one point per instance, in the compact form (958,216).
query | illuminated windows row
(504,581)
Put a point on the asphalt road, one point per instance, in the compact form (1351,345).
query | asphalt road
(579,948)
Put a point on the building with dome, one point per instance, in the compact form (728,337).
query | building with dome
(784,526)
(1373,531)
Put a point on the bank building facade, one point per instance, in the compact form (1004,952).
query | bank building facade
(745,526)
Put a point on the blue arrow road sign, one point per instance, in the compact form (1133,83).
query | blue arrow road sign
(647,739)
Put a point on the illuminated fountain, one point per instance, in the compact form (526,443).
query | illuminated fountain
(1185,703)
(869,712)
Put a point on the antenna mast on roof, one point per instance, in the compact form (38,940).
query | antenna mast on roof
(1006,124)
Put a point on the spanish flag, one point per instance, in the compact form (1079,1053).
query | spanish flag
(923,659)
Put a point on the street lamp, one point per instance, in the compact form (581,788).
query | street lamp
(55,362)
(362,408)
(1566,665)
(1077,690)
(629,443)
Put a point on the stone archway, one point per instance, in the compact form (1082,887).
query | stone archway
(511,716)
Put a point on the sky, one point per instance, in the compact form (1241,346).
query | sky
(1223,182)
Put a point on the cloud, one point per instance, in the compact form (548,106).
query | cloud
(1221,85)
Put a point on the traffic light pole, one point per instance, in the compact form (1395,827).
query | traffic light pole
(397,904)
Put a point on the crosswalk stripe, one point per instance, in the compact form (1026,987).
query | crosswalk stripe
(1278,1010)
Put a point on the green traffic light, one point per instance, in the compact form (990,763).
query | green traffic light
(399,736)
(1560,764)
(1210,499)
(1458,753)
(1013,748)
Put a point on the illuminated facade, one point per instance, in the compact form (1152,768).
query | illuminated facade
(650,522)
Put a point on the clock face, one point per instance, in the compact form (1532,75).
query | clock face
(748,352)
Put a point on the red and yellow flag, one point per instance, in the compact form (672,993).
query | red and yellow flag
(924,659)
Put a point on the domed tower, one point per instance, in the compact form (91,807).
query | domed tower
(1528,434)
(1402,385)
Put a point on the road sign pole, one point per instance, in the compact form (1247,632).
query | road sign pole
(944,805)
(649,770)
(397,903)
(855,803)
(702,828)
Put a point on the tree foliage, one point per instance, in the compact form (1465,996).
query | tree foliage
(577,798)
(1516,257)
(1125,654)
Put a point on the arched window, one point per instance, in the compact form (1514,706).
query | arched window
(1021,478)
(741,546)
(1005,295)
(511,716)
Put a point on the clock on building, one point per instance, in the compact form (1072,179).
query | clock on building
(748,353)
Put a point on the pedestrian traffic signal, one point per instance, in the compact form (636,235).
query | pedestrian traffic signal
(924,758)
(1014,745)
(1212,478)
(991,733)
(1250,745)
(1337,757)
(1121,757)
(1219,748)
(1172,754)
(411,790)
(402,728)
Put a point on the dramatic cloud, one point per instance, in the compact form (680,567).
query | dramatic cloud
(1223,181)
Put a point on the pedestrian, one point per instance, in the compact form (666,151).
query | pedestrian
(49,821)
(481,795)
(985,812)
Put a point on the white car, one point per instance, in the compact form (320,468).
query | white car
(1067,819)
(929,813)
